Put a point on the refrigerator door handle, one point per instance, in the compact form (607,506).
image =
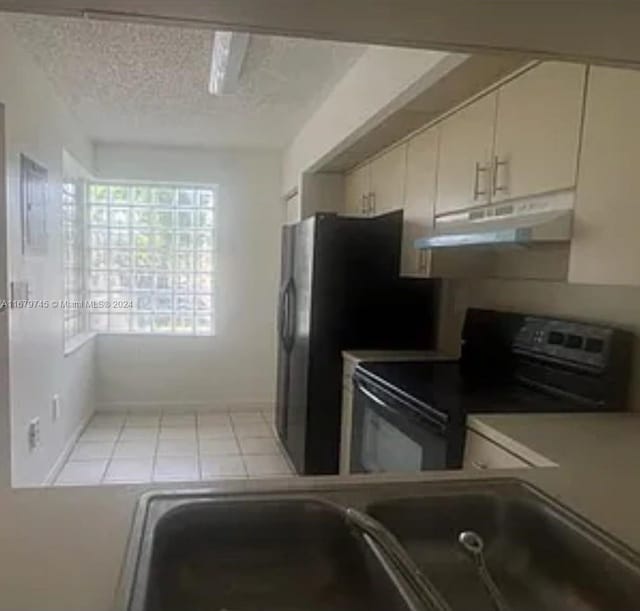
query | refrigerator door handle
(291,314)
(285,314)
(281,315)
(285,326)
(289,319)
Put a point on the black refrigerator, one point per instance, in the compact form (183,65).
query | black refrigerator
(340,289)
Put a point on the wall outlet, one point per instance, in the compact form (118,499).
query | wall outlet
(55,407)
(33,434)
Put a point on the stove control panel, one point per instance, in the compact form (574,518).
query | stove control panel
(563,340)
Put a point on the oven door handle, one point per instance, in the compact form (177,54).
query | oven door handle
(367,393)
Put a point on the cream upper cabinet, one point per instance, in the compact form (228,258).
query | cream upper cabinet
(464,167)
(519,141)
(537,137)
(419,206)
(357,187)
(605,248)
(388,180)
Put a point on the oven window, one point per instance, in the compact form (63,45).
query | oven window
(385,448)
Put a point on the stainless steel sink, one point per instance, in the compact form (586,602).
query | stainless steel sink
(261,554)
(202,551)
(542,556)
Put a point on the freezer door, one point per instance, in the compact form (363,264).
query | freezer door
(355,262)
(298,328)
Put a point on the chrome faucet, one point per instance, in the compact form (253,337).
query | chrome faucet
(473,545)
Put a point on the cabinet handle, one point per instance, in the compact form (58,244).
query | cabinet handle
(372,203)
(480,169)
(497,164)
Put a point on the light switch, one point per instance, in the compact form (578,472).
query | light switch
(33,434)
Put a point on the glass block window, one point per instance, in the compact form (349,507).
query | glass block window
(151,258)
(75,315)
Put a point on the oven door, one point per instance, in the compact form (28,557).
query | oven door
(391,435)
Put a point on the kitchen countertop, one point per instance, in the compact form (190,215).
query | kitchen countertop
(598,458)
(62,548)
(574,441)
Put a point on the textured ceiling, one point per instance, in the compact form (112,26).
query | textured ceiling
(148,84)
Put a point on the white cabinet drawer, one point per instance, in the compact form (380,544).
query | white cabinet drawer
(480,453)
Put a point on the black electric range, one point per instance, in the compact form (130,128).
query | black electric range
(410,415)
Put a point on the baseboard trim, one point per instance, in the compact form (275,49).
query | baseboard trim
(185,406)
(66,451)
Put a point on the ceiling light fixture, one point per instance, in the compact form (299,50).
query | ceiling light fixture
(227,57)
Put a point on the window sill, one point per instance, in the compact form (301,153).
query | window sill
(75,343)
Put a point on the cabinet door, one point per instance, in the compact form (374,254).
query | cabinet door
(357,187)
(605,248)
(464,166)
(480,453)
(419,206)
(538,131)
(387,180)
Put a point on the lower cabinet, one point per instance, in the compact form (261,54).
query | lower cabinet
(481,453)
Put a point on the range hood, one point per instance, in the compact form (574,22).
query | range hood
(527,222)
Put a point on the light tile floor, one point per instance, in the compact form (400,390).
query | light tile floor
(169,446)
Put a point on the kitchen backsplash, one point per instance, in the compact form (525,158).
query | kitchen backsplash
(619,306)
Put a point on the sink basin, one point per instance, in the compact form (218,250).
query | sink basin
(279,551)
(542,556)
(260,554)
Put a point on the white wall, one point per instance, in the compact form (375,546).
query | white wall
(237,367)
(5,405)
(376,85)
(38,125)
